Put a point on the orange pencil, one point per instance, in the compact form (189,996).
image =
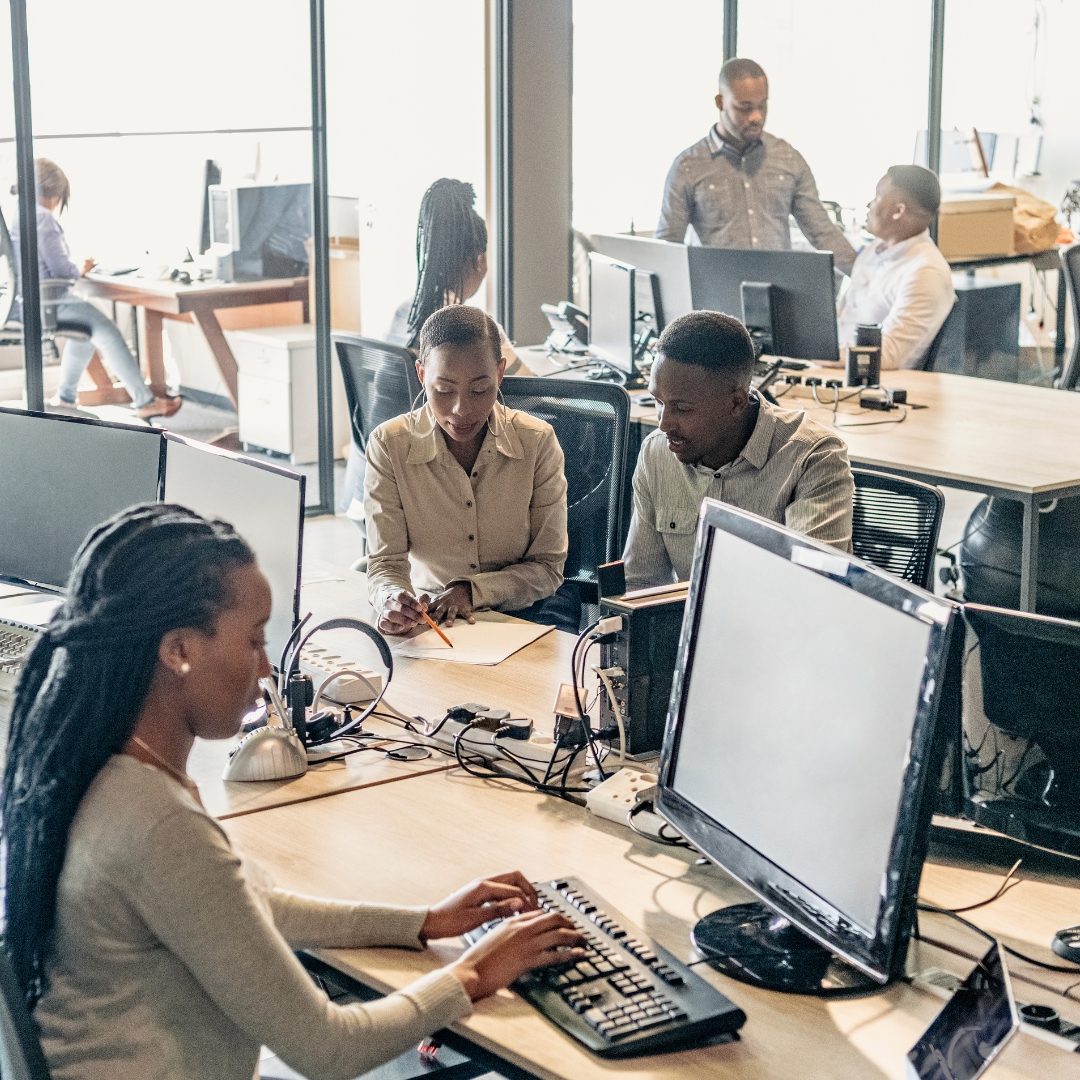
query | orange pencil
(435,626)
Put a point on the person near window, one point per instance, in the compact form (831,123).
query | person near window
(54,261)
(902,282)
(465,498)
(144,944)
(738,186)
(451,261)
(719,439)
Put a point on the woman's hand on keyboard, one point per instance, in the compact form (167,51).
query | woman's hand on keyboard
(483,900)
(515,946)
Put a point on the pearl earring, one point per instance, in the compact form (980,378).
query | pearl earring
(185,667)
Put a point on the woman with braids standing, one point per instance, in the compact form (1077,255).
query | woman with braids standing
(143,944)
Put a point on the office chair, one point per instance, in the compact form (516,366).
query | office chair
(591,422)
(21,1057)
(935,346)
(896,524)
(380,383)
(1070,267)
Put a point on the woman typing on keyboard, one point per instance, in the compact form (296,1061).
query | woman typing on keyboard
(145,946)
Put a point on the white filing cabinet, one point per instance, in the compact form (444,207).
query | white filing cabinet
(277,393)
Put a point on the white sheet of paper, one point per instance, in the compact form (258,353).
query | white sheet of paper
(489,641)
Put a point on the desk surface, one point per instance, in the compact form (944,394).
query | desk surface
(414,842)
(977,432)
(172,297)
(526,683)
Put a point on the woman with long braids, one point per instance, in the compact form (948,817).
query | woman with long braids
(451,264)
(143,944)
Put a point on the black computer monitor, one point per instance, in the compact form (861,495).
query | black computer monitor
(263,502)
(803,294)
(1021,726)
(807,773)
(612,316)
(668,261)
(61,476)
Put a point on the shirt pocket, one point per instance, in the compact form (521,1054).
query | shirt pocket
(779,191)
(676,521)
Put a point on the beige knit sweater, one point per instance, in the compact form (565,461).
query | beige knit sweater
(173,961)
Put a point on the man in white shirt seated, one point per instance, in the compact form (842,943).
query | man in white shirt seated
(902,282)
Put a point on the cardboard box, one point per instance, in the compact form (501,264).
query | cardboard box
(976,226)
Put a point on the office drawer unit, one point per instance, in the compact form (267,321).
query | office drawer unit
(277,393)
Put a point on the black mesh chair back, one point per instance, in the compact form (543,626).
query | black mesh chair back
(21,1056)
(1070,267)
(939,339)
(380,381)
(896,524)
(591,422)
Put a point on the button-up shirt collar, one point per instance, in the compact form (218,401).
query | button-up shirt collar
(427,446)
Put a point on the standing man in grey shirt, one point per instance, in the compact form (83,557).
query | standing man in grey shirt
(738,186)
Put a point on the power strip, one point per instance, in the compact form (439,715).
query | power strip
(619,794)
(320,663)
(536,750)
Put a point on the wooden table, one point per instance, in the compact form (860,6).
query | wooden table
(415,842)
(198,303)
(526,683)
(1004,439)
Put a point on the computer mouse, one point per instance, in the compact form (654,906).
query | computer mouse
(268,753)
(1066,944)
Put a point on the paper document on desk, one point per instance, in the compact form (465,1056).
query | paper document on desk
(489,641)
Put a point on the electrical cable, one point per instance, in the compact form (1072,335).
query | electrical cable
(990,937)
(659,838)
(1005,887)
(875,423)
(606,680)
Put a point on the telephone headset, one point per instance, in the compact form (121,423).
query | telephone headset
(320,729)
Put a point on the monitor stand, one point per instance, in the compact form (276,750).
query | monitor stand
(750,942)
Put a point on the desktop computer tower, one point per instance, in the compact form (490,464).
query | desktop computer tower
(645,651)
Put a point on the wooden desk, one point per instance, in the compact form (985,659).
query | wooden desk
(526,683)
(420,840)
(1003,439)
(198,303)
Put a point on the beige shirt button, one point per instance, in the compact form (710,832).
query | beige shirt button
(472,566)
(468,504)
(471,537)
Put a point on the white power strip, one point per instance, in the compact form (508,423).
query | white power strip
(619,794)
(320,663)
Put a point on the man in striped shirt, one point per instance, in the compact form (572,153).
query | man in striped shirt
(718,438)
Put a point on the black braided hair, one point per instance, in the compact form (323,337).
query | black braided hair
(450,237)
(149,569)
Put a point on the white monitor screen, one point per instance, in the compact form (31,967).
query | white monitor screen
(799,710)
(264,505)
(611,312)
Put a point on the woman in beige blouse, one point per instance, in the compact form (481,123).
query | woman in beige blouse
(465,499)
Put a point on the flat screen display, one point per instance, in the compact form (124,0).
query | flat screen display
(263,503)
(971,1030)
(60,477)
(611,311)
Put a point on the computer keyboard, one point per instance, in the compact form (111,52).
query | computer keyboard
(15,641)
(627,996)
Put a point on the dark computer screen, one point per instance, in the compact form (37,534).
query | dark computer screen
(264,503)
(804,778)
(274,221)
(803,294)
(611,312)
(61,477)
(1021,725)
